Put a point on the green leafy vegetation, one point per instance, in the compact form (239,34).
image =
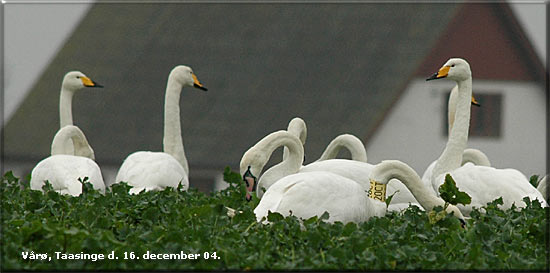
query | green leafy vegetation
(451,194)
(534,180)
(193,231)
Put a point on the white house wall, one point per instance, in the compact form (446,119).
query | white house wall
(413,130)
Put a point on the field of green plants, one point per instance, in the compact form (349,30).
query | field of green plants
(175,230)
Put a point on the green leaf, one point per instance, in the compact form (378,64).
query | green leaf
(389,198)
(274,216)
(534,180)
(451,194)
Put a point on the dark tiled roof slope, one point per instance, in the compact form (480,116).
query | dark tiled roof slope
(338,66)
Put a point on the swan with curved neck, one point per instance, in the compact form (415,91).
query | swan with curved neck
(394,169)
(484,184)
(257,156)
(304,194)
(158,170)
(350,142)
(63,168)
(297,127)
(64,136)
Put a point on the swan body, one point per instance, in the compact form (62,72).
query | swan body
(470,155)
(483,184)
(152,171)
(304,194)
(63,170)
(157,170)
(72,82)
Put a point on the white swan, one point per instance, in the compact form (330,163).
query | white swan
(297,127)
(308,194)
(63,170)
(145,170)
(483,184)
(305,194)
(72,82)
(356,169)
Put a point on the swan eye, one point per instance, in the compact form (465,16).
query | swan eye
(78,77)
(452,65)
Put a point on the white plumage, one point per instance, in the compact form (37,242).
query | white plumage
(152,171)
(64,170)
(483,184)
(311,194)
(305,194)
(158,170)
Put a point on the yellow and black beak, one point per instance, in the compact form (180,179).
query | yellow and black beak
(442,73)
(197,84)
(89,83)
(474,102)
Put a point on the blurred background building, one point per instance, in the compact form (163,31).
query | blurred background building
(354,68)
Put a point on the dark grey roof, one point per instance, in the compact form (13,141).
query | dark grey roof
(338,66)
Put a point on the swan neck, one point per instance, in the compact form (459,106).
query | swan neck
(295,156)
(71,136)
(352,144)
(172,141)
(393,169)
(451,158)
(65,108)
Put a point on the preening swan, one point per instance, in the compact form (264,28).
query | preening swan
(297,127)
(157,170)
(72,82)
(63,170)
(305,194)
(483,184)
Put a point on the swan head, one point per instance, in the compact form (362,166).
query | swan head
(452,209)
(455,69)
(76,80)
(184,75)
(297,127)
(252,163)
